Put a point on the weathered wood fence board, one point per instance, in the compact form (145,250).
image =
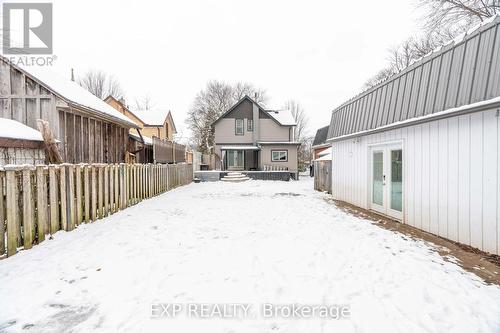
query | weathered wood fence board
(37,201)
(323,176)
(165,151)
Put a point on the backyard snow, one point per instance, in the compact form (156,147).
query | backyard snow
(254,242)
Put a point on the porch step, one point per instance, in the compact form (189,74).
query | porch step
(234,177)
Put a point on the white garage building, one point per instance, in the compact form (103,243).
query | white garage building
(423,146)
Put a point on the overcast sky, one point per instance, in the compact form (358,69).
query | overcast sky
(316,52)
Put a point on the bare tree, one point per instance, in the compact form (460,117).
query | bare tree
(210,103)
(145,103)
(444,20)
(300,116)
(101,84)
(456,15)
(302,121)
(305,153)
(241,89)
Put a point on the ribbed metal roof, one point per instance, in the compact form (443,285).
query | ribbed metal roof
(465,71)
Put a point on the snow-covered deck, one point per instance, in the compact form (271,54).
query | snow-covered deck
(253,242)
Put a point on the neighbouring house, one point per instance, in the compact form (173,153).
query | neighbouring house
(153,124)
(158,123)
(87,128)
(423,146)
(249,137)
(20,144)
(319,142)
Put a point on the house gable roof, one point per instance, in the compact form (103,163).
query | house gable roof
(156,118)
(321,136)
(281,117)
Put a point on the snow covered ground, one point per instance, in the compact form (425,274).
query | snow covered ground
(254,242)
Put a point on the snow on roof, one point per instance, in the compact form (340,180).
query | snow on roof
(326,152)
(15,130)
(239,148)
(147,139)
(284,117)
(327,157)
(73,92)
(151,117)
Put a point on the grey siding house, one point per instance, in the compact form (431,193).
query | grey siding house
(249,137)
(423,147)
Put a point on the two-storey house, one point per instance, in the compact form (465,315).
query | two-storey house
(158,123)
(249,137)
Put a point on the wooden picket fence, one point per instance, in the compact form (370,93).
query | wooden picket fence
(38,201)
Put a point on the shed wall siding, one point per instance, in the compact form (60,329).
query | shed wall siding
(451,176)
(83,137)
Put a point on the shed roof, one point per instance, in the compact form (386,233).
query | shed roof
(463,72)
(12,129)
(71,92)
(321,136)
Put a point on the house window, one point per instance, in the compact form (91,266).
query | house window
(239,130)
(279,155)
(166,131)
(250,125)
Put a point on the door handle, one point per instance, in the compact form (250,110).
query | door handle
(383,179)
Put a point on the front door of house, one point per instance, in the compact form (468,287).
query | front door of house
(386,181)
(235,160)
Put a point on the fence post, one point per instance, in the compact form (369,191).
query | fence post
(71,195)
(2,213)
(62,197)
(79,208)
(12,216)
(100,185)
(54,202)
(41,203)
(122,186)
(134,182)
(28,222)
(117,187)
(169,181)
(127,185)
(86,190)
(148,180)
(93,211)
(111,188)
(106,190)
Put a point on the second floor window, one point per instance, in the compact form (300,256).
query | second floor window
(239,130)
(250,125)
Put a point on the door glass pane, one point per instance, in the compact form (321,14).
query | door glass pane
(397,180)
(378,174)
(230,158)
(239,158)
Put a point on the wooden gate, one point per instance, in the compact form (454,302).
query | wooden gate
(323,176)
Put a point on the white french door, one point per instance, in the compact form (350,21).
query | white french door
(386,181)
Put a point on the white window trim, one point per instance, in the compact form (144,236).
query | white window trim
(249,128)
(279,154)
(236,127)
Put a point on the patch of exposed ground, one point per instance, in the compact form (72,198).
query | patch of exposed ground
(483,264)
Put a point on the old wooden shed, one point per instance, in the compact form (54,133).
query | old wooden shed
(89,130)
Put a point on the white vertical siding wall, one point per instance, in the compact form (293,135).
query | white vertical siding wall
(451,176)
